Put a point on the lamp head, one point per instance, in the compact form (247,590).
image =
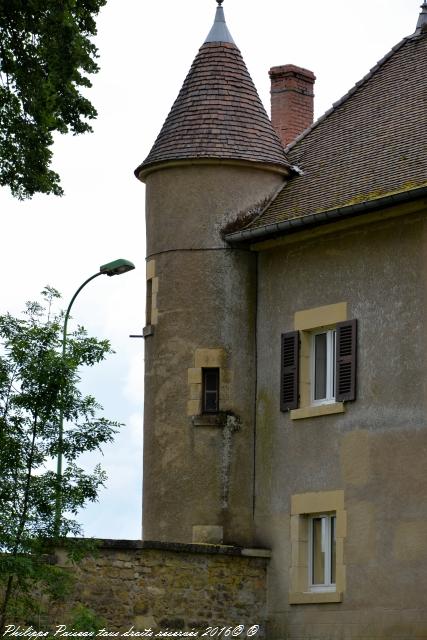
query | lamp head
(117,267)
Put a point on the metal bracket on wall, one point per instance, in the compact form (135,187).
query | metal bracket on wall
(147,331)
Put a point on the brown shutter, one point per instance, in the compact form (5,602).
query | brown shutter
(289,371)
(346,361)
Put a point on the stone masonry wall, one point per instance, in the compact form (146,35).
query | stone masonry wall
(161,586)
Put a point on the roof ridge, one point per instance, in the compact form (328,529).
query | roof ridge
(351,91)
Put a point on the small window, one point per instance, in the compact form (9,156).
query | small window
(149,302)
(322,558)
(210,400)
(323,366)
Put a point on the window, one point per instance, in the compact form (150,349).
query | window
(152,288)
(318,365)
(318,528)
(322,550)
(210,390)
(209,386)
(149,301)
(323,362)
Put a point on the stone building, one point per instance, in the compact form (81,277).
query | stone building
(286,348)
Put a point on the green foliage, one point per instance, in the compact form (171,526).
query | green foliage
(85,619)
(36,384)
(46,55)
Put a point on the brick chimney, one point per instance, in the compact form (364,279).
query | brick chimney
(291,101)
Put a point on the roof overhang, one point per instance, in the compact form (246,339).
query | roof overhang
(294,225)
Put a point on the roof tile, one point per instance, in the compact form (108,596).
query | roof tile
(218,114)
(370,144)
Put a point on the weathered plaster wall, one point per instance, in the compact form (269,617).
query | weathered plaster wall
(180,587)
(200,475)
(187,206)
(374,452)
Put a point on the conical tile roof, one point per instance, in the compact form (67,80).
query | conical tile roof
(218,113)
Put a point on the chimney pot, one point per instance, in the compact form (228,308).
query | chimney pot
(291,101)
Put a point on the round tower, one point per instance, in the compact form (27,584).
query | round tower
(216,156)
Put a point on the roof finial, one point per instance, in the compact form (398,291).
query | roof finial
(422,20)
(219,31)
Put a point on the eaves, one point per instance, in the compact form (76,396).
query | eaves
(294,225)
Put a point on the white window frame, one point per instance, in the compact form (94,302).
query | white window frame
(330,366)
(328,585)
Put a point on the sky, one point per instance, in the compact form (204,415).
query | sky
(146,49)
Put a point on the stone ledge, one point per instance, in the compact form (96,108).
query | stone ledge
(184,547)
(319,597)
(313,411)
(256,553)
(206,420)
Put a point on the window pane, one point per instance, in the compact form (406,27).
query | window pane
(211,402)
(211,378)
(333,548)
(148,301)
(334,347)
(318,550)
(320,366)
(210,390)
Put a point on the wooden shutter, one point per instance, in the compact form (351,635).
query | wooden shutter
(289,371)
(346,361)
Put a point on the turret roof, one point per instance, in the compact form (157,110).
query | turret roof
(218,113)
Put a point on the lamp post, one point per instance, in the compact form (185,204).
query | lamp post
(115,268)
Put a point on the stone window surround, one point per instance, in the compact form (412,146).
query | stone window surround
(302,506)
(207,358)
(154,315)
(306,322)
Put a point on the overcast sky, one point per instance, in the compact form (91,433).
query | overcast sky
(146,49)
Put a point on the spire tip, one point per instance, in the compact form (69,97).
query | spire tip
(219,31)
(422,20)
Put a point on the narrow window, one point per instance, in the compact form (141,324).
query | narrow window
(210,391)
(148,301)
(322,560)
(323,366)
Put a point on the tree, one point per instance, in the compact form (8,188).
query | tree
(36,383)
(46,55)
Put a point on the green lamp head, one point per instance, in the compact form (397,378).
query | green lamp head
(117,267)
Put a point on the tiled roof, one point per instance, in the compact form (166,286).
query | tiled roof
(372,142)
(218,114)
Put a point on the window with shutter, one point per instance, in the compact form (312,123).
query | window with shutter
(318,362)
(346,360)
(289,371)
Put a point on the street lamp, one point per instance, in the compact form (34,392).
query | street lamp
(115,268)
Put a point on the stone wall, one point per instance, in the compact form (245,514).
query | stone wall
(159,586)
(366,464)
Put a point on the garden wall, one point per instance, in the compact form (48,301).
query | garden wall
(181,587)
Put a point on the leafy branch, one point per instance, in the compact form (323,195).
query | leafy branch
(36,385)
